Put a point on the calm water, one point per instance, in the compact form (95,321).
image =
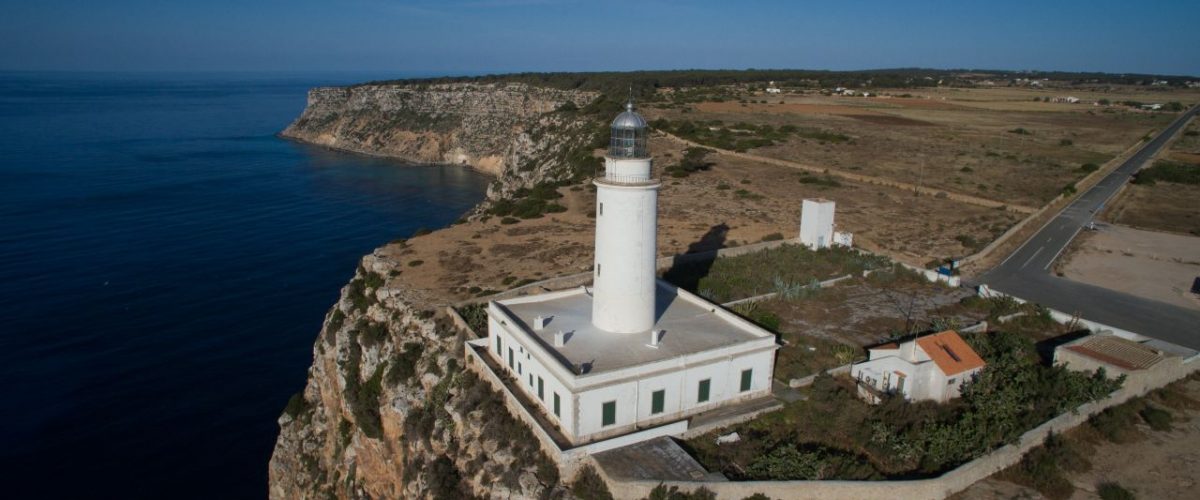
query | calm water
(165,263)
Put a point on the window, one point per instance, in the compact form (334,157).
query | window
(608,414)
(499,346)
(657,399)
(597,269)
(519,369)
(951,381)
(530,380)
(510,358)
(747,375)
(556,405)
(601,209)
(704,386)
(541,388)
(900,385)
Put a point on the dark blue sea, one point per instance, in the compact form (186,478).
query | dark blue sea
(165,264)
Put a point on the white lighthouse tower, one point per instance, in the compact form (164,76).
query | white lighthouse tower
(626,231)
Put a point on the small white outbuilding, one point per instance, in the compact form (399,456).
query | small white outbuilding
(933,367)
(817,229)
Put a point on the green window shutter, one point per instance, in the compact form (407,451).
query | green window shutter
(530,380)
(510,358)
(746,376)
(703,396)
(499,345)
(608,414)
(556,405)
(657,398)
(541,388)
(519,368)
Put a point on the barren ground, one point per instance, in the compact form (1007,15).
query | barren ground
(1153,265)
(1164,464)
(959,140)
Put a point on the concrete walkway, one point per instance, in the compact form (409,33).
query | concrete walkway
(657,459)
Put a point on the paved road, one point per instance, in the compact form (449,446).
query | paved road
(1026,273)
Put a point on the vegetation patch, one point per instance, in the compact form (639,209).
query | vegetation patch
(742,136)
(730,278)
(835,435)
(1168,171)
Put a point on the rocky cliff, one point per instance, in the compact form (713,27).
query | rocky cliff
(389,412)
(524,135)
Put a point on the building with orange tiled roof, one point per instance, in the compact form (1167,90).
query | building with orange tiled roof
(933,367)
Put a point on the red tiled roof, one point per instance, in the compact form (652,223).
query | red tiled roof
(950,352)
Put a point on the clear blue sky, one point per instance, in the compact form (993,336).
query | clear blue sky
(452,37)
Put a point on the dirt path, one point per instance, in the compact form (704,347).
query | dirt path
(865,179)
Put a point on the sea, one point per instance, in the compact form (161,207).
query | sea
(165,264)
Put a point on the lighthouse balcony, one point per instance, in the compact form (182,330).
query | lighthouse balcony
(627,180)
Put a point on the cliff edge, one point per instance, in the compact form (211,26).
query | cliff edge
(522,134)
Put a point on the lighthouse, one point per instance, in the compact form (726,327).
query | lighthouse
(626,231)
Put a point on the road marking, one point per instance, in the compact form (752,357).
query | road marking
(1039,250)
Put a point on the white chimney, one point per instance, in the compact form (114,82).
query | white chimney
(560,339)
(654,338)
(539,322)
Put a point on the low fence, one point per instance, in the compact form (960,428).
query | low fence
(824,284)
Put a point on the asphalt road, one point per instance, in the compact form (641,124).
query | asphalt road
(1026,273)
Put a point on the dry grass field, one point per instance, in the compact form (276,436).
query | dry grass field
(992,143)
(1164,206)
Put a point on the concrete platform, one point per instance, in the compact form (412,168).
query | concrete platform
(659,459)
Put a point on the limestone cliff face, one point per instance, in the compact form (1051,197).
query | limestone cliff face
(389,412)
(509,130)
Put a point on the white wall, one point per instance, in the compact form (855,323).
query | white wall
(633,397)
(816,223)
(626,254)
(532,364)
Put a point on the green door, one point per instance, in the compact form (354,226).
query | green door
(703,396)
(746,376)
(657,398)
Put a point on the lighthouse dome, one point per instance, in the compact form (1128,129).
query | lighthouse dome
(629,132)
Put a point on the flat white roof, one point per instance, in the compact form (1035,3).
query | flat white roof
(690,325)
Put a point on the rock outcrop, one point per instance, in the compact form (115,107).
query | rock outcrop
(521,134)
(389,411)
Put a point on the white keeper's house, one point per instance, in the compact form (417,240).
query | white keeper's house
(631,351)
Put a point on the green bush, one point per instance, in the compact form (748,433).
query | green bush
(297,405)
(509,220)
(1157,418)
(1065,142)
(1112,491)
(1168,171)
(1089,167)
(415,262)
(589,486)
(404,364)
(773,237)
(1020,131)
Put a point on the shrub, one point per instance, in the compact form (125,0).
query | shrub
(966,169)
(1020,131)
(1069,189)
(1157,418)
(296,405)
(404,364)
(1089,167)
(1065,142)
(589,486)
(662,492)
(509,220)
(421,231)
(1112,491)
(415,263)
(788,463)
(773,237)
